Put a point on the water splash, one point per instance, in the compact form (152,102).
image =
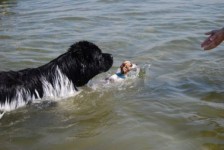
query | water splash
(2,114)
(100,84)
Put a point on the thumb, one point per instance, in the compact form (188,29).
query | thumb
(209,33)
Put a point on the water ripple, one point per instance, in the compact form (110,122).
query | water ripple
(177,102)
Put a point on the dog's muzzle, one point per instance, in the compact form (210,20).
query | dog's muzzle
(108,61)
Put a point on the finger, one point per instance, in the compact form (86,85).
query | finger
(206,42)
(213,38)
(210,39)
(214,43)
(210,46)
(209,33)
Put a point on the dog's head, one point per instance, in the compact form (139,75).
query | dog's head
(127,66)
(84,60)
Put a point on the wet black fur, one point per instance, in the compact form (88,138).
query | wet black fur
(80,63)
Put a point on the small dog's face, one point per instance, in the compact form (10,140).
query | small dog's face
(127,66)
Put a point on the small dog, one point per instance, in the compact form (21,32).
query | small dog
(56,79)
(125,68)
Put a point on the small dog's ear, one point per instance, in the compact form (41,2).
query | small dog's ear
(122,65)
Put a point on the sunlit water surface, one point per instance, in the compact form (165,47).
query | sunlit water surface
(176,104)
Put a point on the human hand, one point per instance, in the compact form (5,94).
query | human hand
(216,37)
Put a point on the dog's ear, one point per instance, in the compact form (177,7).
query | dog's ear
(75,48)
(84,50)
(122,65)
(84,46)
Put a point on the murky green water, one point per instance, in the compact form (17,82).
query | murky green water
(177,104)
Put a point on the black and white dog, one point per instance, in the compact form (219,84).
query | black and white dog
(58,78)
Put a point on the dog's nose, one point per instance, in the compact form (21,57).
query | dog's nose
(108,56)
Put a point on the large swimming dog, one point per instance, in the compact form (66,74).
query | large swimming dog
(58,78)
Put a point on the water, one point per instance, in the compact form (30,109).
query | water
(177,104)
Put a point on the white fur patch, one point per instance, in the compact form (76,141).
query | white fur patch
(63,88)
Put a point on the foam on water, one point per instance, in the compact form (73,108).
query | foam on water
(1,114)
(100,84)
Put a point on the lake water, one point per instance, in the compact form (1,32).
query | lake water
(176,104)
